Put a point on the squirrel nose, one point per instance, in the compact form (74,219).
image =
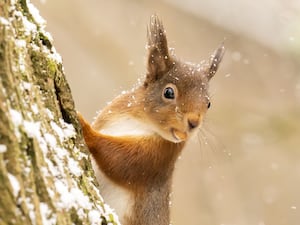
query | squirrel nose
(193,123)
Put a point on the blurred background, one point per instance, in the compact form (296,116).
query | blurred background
(244,166)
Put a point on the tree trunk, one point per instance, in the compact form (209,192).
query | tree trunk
(45,171)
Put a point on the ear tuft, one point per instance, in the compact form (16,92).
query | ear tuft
(215,60)
(158,59)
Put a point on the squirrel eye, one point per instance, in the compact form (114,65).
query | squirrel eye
(169,93)
(208,105)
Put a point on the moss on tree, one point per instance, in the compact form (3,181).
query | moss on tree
(45,173)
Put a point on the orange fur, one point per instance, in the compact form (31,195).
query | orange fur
(143,164)
(147,159)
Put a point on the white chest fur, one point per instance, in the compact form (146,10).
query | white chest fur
(115,196)
(126,126)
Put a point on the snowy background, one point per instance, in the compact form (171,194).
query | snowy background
(244,166)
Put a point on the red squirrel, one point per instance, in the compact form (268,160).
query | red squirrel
(135,140)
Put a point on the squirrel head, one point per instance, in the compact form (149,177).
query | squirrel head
(176,98)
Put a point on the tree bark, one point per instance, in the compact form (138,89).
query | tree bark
(45,171)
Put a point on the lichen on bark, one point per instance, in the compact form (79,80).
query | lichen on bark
(45,172)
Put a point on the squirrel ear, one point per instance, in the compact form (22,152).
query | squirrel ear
(158,59)
(215,60)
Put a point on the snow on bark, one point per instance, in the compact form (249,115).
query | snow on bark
(45,172)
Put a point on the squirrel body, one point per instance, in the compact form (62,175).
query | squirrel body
(135,140)
(116,196)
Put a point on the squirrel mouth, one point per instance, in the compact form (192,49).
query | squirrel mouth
(178,135)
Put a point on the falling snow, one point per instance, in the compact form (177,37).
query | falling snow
(236,56)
